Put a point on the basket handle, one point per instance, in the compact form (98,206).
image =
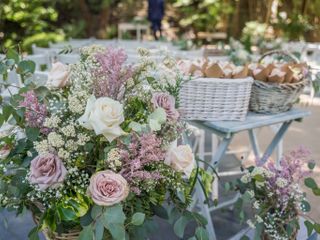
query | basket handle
(280,52)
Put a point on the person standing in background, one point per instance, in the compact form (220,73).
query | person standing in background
(155,16)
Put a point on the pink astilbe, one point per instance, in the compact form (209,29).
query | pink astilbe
(36,112)
(142,151)
(112,74)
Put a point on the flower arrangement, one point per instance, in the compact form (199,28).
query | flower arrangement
(95,150)
(276,197)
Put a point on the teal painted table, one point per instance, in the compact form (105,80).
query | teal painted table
(228,129)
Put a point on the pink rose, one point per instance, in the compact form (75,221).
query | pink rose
(167,102)
(107,188)
(47,171)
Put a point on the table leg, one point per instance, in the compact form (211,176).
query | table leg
(277,138)
(205,211)
(222,148)
(254,144)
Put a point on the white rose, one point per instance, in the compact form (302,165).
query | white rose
(181,159)
(103,115)
(58,76)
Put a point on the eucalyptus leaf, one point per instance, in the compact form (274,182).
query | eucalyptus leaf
(309,227)
(87,233)
(99,229)
(13,54)
(117,231)
(180,226)
(114,215)
(201,234)
(310,183)
(138,218)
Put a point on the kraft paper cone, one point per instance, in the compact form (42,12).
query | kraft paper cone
(227,73)
(289,74)
(276,76)
(240,72)
(194,67)
(261,74)
(204,66)
(252,67)
(214,70)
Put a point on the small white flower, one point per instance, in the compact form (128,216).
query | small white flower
(245,178)
(251,224)
(256,205)
(55,139)
(281,182)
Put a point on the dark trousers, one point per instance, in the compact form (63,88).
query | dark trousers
(156,26)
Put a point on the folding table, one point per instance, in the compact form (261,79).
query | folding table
(227,129)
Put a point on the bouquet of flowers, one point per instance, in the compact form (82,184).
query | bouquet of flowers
(94,153)
(276,197)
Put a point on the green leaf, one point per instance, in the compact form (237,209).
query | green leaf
(192,238)
(7,111)
(181,196)
(305,206)
(114,214)
(227,186)
(3,68)
(201,234)
(316,191)
(309,227)
(258,178)
(199,218)
(10,62)
(117,231)
(244,238)
(316,227)
(33,234)
(138,218)
(99,229)
(161,212)
(311,165)
(26,66)
(32,133)
(86,233)
(310,183)
(12,54)
(180,226)
(96,211)
(67,214)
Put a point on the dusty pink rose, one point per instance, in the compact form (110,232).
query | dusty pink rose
(107,188)
(47,171)
(167,102)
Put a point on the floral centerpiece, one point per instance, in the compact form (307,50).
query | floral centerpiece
(93,154)
(276,197)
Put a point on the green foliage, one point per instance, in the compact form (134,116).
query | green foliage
(28,22)
(202,15)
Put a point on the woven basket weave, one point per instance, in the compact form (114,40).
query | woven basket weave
(275,97)
(215,99)
(49,235)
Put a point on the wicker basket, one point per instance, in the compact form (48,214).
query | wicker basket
(275,97)
(215,99)
(49,235)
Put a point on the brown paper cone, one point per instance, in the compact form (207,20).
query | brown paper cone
(194,67)
(241,72)
(261,74)
(276,76)
(214,70)
(289,74)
